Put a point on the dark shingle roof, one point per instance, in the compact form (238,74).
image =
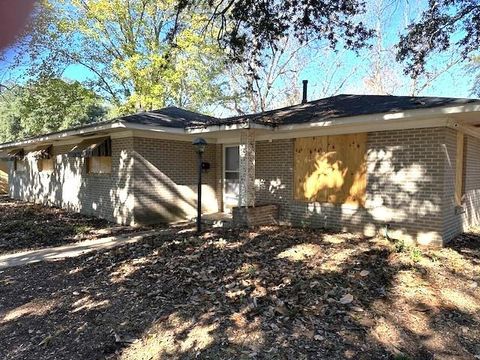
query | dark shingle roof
(169,117)
(345,106)
(323,109)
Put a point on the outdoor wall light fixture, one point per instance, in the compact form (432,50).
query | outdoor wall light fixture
(200,144)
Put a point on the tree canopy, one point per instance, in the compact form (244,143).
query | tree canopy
(46,105)
(123,47)
(442,25)
(247,27)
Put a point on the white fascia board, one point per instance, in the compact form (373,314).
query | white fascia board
(155,128)
(371,122)
(64,135)
(169,136)
(376,119)
(230,127)
(217,128)
(76,140)
(335,129)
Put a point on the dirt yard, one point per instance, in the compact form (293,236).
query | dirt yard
(26,226)
(272,293)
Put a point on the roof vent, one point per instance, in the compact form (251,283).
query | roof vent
(305,90)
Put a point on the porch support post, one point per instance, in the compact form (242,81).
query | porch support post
(247,168)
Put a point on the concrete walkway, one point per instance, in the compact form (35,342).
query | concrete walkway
(73,250)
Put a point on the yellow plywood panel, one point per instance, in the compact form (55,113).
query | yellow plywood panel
(99,165)
(331,169)
(459,169)
(46,165)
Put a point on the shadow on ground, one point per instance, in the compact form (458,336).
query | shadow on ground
(27,226)
(271,293)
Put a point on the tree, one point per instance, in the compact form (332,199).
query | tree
(123,46)
(278,82)
(443,25)
(47,105)
(10,127)
(272,85)
(384,73)
(248,27)
(150,53)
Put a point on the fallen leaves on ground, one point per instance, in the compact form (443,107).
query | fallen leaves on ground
(27,226)
(272,293)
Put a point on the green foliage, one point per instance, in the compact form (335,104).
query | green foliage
(124,47)
(10,109)
(416,254)
(443,25)
(247,28)
(46,105)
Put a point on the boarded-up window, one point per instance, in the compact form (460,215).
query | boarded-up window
(20,165)
(331,169)
(46,165)
(97,153)
(99,165)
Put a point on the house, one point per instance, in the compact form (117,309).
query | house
(407,166)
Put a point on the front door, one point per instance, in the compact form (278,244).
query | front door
(231,177)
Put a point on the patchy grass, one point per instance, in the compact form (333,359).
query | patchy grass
(272,293)
(26,226)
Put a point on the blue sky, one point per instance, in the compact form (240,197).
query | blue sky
(353,69)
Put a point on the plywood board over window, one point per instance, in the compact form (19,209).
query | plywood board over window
(99,165)
(331,169)
(46,165)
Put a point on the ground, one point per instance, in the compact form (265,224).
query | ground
(269,293)
(27,226)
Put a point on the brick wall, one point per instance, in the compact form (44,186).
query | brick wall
(255,215)
(165,184)
(404,186)
(107,196)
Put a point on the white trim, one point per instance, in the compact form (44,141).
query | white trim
(224,170)
(220,128)
(352,128)
(66,134)
(416,114)
(156,128)
(73,141)
(167,136)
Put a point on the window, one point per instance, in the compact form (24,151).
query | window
(46,165)
(17,156)
(43,156)
(99,165)
(231,176)
(20,165)
(98,155)
(331,169)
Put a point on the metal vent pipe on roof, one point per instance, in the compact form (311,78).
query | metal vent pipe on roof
(305,90)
